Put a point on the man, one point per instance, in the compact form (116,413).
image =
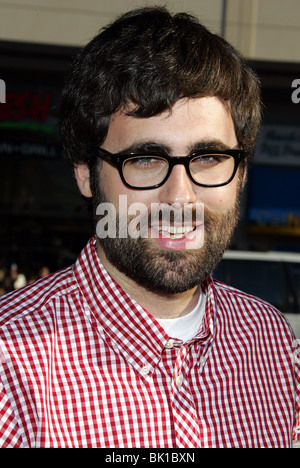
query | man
(135,345)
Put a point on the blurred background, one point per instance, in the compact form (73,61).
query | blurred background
(44,223)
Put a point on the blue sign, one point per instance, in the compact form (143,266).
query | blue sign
(274,196)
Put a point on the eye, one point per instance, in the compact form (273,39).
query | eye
(145,162)
(210,159)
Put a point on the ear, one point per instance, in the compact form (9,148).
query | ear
(82,175)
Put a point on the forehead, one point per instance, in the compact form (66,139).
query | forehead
(188,122)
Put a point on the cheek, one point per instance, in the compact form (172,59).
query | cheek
(111,183)
(219,198)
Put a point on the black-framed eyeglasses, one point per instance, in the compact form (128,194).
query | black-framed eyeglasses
(144,171)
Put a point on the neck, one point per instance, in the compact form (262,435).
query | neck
(159,305)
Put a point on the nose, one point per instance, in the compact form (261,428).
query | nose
(178,188)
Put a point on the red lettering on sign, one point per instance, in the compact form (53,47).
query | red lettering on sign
(25,104)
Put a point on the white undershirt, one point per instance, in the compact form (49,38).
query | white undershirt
(187,326)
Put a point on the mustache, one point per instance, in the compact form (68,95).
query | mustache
(194,216)
(159,214)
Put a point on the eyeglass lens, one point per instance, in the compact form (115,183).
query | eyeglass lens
(147,171)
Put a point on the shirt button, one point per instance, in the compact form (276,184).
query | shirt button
(179,381)
(169,344)
(145,370)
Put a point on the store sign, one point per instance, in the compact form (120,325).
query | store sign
(28,123)
(35,178)
(273,198)
(279,145)
(25,104)
(30,149)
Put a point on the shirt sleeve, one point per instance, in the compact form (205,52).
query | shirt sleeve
(296,431)
(9,428)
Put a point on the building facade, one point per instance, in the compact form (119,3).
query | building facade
(40,206)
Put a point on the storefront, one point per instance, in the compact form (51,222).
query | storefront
(43,217)
(273,202)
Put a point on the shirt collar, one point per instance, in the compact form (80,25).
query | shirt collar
(130,326)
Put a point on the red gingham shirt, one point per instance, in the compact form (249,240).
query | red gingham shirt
(83,365)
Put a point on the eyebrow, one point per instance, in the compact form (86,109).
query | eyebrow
(208,145)
(148,146)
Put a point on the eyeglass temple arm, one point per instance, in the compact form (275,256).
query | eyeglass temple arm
(101,152)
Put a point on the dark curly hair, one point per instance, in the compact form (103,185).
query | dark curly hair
(150,58)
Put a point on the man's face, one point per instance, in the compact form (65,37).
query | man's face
(164,264)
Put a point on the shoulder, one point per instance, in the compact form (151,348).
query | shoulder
(23,302)
(250,311)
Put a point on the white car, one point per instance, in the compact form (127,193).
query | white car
(272,276)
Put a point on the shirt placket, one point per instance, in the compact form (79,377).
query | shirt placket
(184,412)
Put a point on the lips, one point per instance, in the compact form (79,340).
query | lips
(176,227)
(179,237)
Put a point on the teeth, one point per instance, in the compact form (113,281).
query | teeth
(176,232)
(176,229)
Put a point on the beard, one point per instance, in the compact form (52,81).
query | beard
(164,271)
